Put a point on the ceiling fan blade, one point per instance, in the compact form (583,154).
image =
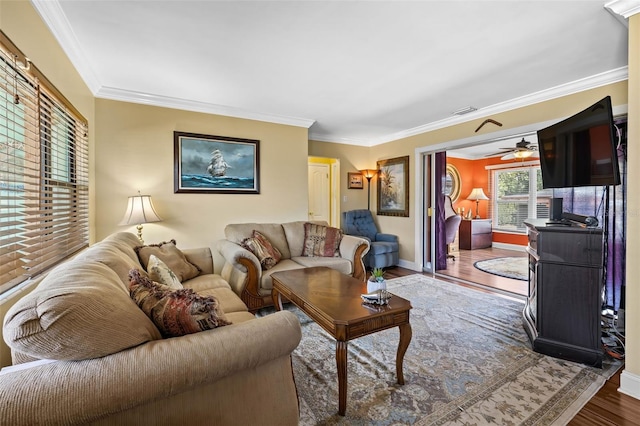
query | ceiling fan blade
(494,154)
(508,156)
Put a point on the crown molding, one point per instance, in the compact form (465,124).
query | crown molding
(197,106)
(624,8)
(51,13)
(598,80)
(337,139)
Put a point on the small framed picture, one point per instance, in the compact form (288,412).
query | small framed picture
(355,181)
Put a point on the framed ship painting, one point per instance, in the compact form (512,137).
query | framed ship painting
(215,164)
(393,187)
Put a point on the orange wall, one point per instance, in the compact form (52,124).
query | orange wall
(473,174)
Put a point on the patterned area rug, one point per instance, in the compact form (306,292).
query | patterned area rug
(508,267)
(469,363)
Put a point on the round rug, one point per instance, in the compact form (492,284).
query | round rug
(516,268)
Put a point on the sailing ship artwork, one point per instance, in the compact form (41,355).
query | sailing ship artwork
(215,164)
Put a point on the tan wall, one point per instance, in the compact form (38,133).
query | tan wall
(22,24)
(134,148)
(632,358)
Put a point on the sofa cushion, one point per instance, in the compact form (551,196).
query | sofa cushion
(80,310)
(175,312)
(338,263)
(320,240)
(259,245)
(171,256)
(158,271)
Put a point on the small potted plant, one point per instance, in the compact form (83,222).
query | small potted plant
(376,281)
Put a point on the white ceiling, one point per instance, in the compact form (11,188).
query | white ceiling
(354,72)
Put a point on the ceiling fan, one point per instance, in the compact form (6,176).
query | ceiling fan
(523,149)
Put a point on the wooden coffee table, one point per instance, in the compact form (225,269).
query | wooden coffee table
(333,301)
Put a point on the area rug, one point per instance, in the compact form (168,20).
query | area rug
(469,363)
(508,267)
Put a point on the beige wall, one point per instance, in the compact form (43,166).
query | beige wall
(630,379)
(134,148)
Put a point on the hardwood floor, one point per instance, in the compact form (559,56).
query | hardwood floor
(607,408)
(462,268)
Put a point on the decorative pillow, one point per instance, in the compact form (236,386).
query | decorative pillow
(267,254)
(175,312)
(171,256)
(160,272)
(321,240)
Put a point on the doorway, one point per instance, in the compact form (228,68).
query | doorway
(324,190)
(463,268)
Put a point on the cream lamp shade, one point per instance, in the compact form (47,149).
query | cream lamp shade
(139,210)
(476,195)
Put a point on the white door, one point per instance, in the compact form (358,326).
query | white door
(319,191)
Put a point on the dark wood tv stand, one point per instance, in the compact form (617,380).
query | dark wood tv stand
(563,309)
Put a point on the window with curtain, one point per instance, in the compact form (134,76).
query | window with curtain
(518,196)
(44,173)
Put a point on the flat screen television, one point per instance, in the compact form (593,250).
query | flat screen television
(580,150)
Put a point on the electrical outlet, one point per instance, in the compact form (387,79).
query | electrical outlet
(344,199)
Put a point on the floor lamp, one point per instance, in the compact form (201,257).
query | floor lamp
(368,173)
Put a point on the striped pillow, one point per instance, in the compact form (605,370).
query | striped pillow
(175,312)
(321,240)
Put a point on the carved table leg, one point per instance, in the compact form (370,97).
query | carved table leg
(405,339)
(277,300)
(341,362)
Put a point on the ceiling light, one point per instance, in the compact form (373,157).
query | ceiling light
(523,154)
(465,110)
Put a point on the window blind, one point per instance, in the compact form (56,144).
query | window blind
(44,168)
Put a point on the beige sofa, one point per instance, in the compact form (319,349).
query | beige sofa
(111,365)
(242,269)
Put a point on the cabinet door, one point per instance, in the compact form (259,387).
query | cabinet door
(569,304)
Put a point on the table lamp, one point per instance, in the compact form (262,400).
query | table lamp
(139,210)
(476,195)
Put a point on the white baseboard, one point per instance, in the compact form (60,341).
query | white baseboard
(409,265)
(629,384)
(516,247)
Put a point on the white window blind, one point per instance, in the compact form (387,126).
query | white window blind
(518,196)
(44,200)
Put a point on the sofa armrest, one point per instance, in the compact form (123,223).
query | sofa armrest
(201,257)
(389,238)
(354,248)
(66,392)
(241,269)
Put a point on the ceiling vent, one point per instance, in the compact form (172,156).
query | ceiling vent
(465,110)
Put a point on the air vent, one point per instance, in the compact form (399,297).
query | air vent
(465,110)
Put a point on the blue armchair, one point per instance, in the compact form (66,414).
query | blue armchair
(384,250)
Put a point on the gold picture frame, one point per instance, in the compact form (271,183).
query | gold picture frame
(393,187)
(452,184)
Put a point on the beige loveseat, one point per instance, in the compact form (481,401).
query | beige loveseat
(113,366)
(242,269)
